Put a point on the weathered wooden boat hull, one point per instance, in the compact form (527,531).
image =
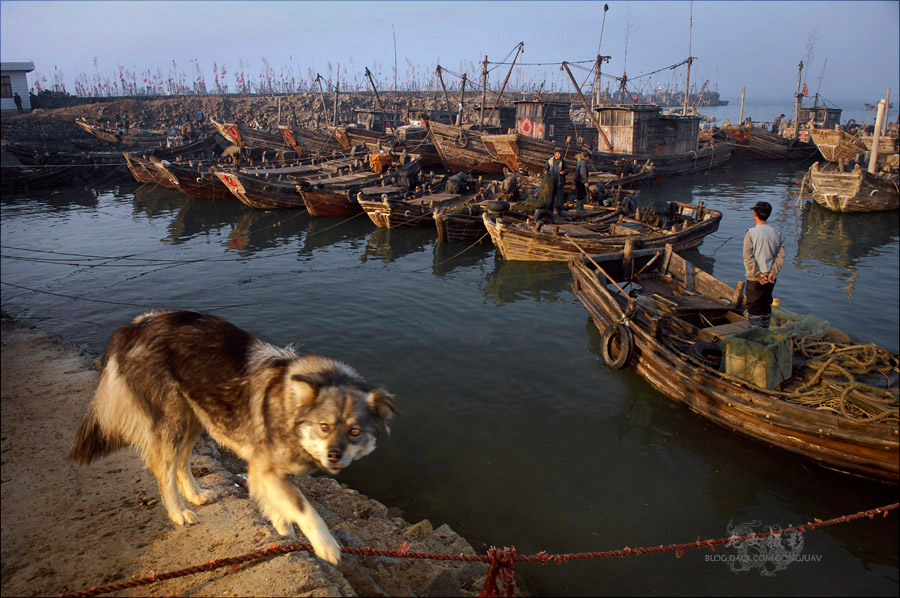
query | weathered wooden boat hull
(328,203)
(836,146)
(709,156)
(453,228)
(242,136)
(43,177)
(527,241)
(259,192)
(395,212)
(521,152)
(862,449)
(196,182)
(462,150)
(110,135)
(144,171)
(310,143)
(754,143)
(854,191)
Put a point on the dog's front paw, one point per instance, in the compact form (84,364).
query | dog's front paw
(327,548)
(183,517)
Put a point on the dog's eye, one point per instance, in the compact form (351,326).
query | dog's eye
(325,427)
(355,431)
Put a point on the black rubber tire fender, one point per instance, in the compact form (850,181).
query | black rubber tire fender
(496,205)
(626,346)
(708,354)
(544,215)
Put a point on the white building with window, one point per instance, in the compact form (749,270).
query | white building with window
(13,80)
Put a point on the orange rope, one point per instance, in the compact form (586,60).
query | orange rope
(502,561)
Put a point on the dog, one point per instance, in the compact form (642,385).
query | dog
(167,376)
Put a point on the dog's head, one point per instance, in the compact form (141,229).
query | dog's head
(337,412)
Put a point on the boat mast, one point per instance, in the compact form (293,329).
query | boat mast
(502,87)
(377,97)
(603,136)
(483,91)
(687,83)
(441,79)
(597,84)
(797,104)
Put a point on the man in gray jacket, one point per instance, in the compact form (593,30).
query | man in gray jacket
(763,259)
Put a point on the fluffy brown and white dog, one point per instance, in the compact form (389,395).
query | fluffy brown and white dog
(169,375)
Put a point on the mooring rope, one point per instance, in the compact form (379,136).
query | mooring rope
(500,579)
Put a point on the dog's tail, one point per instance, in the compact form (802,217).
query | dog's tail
(98,433)
(91,441)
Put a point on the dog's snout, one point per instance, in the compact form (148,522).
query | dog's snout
(334,455)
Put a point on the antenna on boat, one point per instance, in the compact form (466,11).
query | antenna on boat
(521,48)
(395,56)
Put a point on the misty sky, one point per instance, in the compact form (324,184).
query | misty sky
(752,44)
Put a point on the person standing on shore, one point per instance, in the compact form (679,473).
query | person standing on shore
(763,259)
(18,100)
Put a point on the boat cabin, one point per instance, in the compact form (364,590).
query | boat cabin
(552,121)
(823,116)
(644,129)
(502,120)
(372,119)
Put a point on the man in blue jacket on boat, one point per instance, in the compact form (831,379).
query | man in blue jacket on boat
(763,259)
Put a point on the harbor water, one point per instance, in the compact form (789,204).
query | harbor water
(512,431)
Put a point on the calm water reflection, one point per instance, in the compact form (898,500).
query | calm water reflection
(512,430)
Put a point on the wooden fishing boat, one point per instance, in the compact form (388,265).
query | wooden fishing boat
(393,207)
(144,170)
(248,137)
(336,195)
(194,180)
(855,190)
(837,145)
(259,191)
(642,133)
(43,177)
(307,142)
(755,143)
(682,225)
(152,137)
(684,332)
(461,149)
(374,141)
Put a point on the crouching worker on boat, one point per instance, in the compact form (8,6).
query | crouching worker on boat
(763,259)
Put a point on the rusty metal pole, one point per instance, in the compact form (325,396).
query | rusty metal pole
(587,107)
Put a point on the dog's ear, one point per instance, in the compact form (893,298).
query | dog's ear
(383,405)
(304,390)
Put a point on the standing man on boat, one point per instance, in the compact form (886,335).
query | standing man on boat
(776,123)
(556,167)
(763,259)
(582,168)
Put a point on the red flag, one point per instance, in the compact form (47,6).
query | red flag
(805,90)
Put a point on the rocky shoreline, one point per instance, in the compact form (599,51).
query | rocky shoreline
(67,528)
